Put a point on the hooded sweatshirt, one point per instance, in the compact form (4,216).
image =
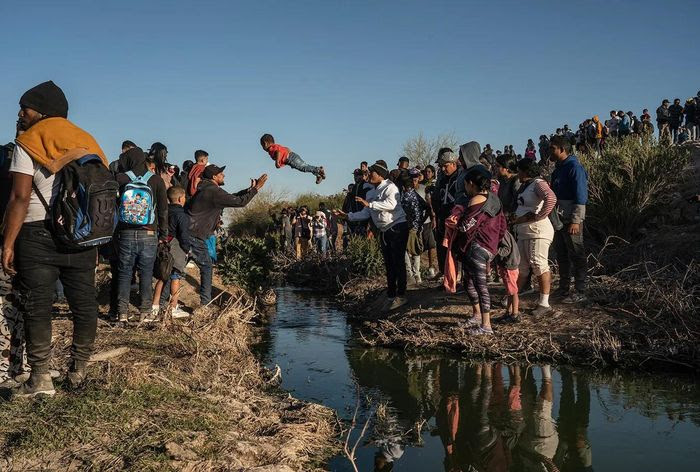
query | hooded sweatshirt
(485,225)
(469,153)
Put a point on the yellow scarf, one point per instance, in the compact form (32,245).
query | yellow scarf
(55,142)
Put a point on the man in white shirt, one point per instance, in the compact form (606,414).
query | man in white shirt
(30,248)
(383,205)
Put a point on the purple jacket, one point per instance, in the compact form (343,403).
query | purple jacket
(483,224)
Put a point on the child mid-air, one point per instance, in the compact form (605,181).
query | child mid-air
(180,243)
(282,155)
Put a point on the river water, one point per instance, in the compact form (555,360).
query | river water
(435,412)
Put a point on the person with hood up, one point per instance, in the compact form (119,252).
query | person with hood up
(480,228)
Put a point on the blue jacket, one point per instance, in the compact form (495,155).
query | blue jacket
(570,185)
(179,226)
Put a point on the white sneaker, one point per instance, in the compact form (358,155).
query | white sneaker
(431,273)
(191,265)
(179,313)
(155,310)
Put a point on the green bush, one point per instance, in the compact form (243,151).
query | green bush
(364,257)
(631,184)
(247,262)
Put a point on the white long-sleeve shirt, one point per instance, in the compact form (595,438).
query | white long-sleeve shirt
(384,207)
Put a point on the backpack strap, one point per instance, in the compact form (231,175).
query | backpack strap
(131,175)
(41,198)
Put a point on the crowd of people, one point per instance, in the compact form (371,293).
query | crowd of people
(165,218)
(485,216)
(476,221)
(477,217)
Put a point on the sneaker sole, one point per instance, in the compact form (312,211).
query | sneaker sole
(48,393)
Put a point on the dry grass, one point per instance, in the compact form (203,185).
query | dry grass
(187,396)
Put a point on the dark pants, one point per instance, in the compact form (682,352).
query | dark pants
(111,253)
(571,251)
(441,250)
(40,262)
(203,261)
(394,242)
(137,249)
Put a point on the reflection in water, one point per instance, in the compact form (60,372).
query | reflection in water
(488,423)
(436,412)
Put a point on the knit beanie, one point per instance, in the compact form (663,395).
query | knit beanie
(46,98)
(380,168)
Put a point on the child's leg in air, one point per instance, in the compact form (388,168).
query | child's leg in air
(296,162)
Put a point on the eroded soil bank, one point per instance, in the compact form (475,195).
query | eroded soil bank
(188,395)
(644,310)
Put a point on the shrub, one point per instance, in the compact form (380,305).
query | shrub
(630,184)
(247,262)
(364,257)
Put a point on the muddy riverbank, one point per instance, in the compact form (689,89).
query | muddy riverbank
(642,313)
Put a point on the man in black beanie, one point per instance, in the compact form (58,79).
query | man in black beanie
(46,99)
(30,249)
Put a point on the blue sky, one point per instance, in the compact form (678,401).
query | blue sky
(342,82)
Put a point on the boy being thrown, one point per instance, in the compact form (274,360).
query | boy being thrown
(284,156)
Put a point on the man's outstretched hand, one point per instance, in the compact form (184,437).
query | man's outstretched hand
(258,183)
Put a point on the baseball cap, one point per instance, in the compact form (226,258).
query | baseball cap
(211,171)
(403,159)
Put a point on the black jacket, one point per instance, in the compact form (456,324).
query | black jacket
(443,197)
(675,114)
(179,226)
(206,205)
(662,114)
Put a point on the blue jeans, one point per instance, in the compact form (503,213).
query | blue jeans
(137,248)
(321,244)
(296,162)
(203,260)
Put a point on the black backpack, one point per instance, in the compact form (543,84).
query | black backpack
(84,213)
(164,262)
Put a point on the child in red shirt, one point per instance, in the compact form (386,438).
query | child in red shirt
(283,156)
